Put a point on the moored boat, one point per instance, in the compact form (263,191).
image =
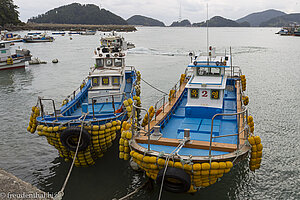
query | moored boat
(200,132)
(11,37)
(114,39)
(74,32)
(9,60)
(59,33)
(38,38)
(92,114)
(88,32)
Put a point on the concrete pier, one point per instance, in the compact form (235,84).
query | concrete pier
(12,187)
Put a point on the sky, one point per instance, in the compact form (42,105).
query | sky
(166,11)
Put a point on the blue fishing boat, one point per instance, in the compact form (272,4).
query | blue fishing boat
(90,117)
(190,138)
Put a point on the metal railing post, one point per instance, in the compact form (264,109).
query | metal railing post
(93,108)
(212,123)
(42,108)
(148,131)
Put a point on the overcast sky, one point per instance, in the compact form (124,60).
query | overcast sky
(166,11)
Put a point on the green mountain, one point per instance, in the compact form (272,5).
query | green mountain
(183,23)
(8,13)
(218,21)
(144,21)
(255,19)
(76,13)
(284,20)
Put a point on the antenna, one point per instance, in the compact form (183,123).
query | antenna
(207,41)
(179,19)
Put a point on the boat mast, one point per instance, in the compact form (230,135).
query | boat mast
(207,42)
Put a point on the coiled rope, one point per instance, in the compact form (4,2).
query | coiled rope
(60,194)
(154,87)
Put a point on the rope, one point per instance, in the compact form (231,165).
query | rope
(132,193)
(60,194)
(166,166)
(154,87)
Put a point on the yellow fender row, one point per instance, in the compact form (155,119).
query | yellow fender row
(202,174)
(126,135)
(257,147)
(243,79)
(171,94)
(102,137)
(182,78)
(151,114)
(32,122)
(245,100)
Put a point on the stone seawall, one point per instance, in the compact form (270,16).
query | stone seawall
(12,187)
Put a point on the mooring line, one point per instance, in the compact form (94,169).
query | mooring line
(60,194)
(154,87)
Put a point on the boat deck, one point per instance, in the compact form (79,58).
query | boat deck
(200,128)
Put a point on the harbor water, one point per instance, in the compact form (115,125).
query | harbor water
(269,61)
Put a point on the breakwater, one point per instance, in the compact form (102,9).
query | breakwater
(67,27)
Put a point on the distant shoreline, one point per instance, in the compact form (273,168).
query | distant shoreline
(67,27)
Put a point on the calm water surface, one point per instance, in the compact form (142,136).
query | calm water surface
(272,68)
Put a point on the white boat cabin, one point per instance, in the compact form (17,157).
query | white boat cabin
(208,81)
(108,76)
(4,50)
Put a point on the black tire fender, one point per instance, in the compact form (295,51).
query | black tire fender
(176,180)
(67,138)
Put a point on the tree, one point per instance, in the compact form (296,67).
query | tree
(8,13)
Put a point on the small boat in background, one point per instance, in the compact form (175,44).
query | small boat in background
(34,33)
(291,30)
(201,130)
(9,60)
(11,37)
(74,32)
(297,32)
(59,33)
(116,40)
(91,115)
(88,32)
(284,32)
(38,38)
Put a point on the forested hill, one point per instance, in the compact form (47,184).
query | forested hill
(144,21)
(76,13)
(8,13)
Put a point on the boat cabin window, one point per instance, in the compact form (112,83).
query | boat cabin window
(108,62)
(118,62)
(115,80)
(209,71)
(2,46)
(100,62)
(105,80)
(95,81)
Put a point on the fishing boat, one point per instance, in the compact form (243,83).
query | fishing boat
(59,33)
(11,37)
(88,32)
(284,32)
(34,33)
(38,38)
(74,32)
(297,32)
(85,126)
(116,40)
(9,60)
(192,137)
